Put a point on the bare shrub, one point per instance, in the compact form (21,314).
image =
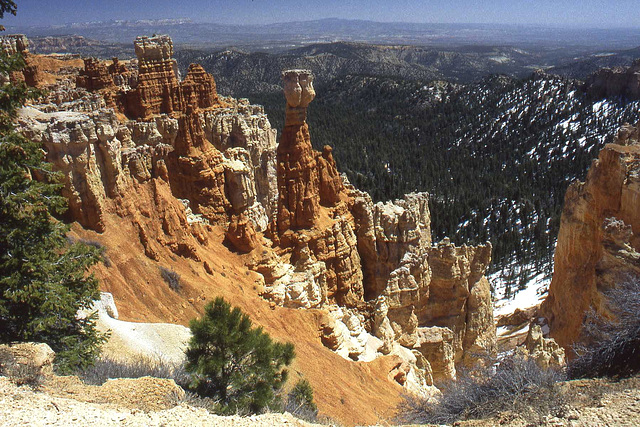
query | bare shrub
(172,278)
(137,367)
(514,384)
(27,375)
(93,243)
(193,399)
(610,347)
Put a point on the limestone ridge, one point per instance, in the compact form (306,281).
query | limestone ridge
(177,161)
(598,243)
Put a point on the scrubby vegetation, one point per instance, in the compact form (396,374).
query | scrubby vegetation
(133,367)
(94,243)
(107,367)
(514,384)
(43,280)
(172,278)
(235,363)
(610,346)
(300,402)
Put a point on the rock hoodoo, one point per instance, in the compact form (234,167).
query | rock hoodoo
(95,75)
(598,242)
(305,178)
(373,266)
(545,351)
(298,183)
(159,89)
(181,165)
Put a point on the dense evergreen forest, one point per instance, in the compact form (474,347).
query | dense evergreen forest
(497,156)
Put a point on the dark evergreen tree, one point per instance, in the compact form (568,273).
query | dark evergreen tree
(43,279)
(235,363)
(300,401)
(7,6)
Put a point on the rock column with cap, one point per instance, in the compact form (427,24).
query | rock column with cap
(298,177)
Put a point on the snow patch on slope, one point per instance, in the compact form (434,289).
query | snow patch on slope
(528,290)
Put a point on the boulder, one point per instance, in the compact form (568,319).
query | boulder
(26,363)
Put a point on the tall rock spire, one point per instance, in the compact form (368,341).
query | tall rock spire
(298,178)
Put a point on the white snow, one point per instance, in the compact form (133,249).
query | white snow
(534,293)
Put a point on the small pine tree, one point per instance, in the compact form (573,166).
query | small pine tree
(43,281)
(235,363)
(300,401)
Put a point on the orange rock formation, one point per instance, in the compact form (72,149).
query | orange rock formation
(375,260)
(159,89)
(19,44)
(191,170)
(95,75)
(298,181)
(599,238)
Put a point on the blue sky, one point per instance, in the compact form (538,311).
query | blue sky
(590,13)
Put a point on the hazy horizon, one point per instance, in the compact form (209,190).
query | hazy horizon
(592,14)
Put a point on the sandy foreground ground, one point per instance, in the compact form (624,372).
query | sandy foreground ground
(66,401)
(22,406)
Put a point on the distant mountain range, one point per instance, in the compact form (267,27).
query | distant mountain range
(582,67)
(283,36)
(239,72)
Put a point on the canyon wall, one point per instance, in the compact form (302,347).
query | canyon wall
(615,82)
(216,158)
(599,239)
(175,162)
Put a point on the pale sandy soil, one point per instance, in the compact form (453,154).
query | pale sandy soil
(22,406)
(65,401)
